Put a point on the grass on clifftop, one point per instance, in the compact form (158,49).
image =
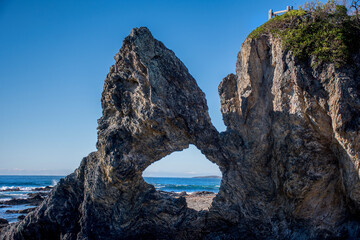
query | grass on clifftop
(323,31)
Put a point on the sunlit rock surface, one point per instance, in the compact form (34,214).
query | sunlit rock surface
(289,156)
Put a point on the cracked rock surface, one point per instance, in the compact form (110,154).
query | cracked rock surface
(289,156)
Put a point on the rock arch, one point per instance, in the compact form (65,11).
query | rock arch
(283,151)
(175,174)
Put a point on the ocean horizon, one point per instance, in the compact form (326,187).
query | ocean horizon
(176,184)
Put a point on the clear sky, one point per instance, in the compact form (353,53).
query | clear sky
(54,57)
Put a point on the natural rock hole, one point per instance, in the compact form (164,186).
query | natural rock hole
(187,173)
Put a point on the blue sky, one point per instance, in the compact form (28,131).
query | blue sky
(55,56)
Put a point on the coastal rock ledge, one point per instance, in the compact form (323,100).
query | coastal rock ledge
(289,156)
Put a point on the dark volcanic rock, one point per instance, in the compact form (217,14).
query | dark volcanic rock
(47,188)
(38,195)
(202,193)
(3,223)
(27,210)
(289,156)
(11,190)
(34,199)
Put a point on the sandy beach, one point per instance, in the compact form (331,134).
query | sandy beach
(200,200)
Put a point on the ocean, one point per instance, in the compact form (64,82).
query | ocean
(19,187)
(188,185)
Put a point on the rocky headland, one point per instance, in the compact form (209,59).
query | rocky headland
(289,157)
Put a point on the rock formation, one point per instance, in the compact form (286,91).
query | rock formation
(3,223)
(297,156)
(289,156)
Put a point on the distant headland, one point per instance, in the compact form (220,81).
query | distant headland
(212,176)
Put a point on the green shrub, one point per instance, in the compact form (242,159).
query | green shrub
(323,31)
(277,24)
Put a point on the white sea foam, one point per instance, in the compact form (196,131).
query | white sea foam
(13,189)
(3,189)
(6,188)
(5,199)
(53,182)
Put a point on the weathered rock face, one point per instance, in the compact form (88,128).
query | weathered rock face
(298,161)
(289,156)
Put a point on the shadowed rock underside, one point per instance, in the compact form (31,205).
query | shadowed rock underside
(289,156)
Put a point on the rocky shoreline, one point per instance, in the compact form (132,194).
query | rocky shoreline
(27,204)
(198,201)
